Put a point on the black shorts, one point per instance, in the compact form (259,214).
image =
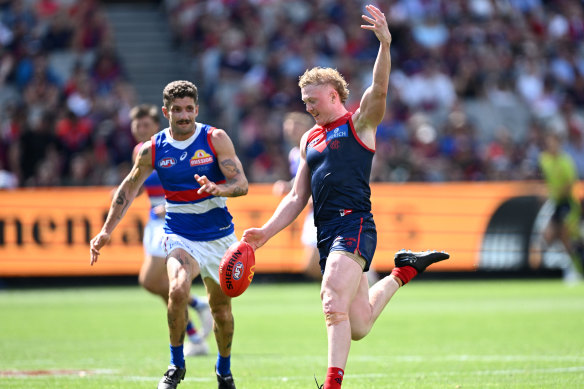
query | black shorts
(354,233)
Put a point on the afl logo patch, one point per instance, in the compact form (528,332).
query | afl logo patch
(201,157)
(238,270)
(335,144)
(167,162)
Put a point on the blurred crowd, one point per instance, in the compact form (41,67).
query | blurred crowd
(64,98)
(520,55)
(474,86)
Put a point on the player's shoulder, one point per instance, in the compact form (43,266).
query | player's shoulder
(218,135)
(146,147)
(312,133)
(220,140)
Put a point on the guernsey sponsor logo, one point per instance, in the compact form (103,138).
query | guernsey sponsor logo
(201,157)
(337,133)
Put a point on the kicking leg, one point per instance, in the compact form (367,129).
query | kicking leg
(369,303)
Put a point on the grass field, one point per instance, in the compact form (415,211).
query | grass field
(434,334)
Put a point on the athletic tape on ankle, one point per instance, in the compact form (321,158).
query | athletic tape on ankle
(333,318)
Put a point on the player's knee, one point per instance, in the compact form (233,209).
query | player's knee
(332,301)
(222,314)
(179,291)
(334,318)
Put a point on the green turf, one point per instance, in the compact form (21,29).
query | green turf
(434,334)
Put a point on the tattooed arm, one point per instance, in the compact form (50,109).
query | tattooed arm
(125,194)
(235,180)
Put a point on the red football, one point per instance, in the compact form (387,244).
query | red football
(237,268)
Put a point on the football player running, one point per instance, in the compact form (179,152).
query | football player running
(198,168)
(145,123)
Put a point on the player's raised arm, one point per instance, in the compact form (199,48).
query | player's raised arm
(372,107)
(288,209)
(125,194)
(230,165)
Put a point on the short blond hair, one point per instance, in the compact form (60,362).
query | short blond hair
(326,76)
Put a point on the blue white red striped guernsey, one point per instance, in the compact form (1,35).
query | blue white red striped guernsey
(197,217)
(340,166)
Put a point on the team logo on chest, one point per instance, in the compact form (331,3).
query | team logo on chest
(201,157)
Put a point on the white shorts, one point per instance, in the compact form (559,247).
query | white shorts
(153,237)
(207,254)
(308,237)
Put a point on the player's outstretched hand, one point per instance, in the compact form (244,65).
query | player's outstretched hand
(96,244)
(256,237)
(207,186)
(378,24)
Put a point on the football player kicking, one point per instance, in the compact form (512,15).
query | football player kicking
(335,165)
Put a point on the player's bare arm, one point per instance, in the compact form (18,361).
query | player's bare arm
(230,165)
(125,194)
(135,154)
(373,102)
(288,209)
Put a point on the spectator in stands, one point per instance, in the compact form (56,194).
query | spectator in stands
(59,34)
(522,58)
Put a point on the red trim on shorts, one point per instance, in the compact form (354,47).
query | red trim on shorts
(359,238)
(357,136)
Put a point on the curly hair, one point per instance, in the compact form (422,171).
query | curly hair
(324,76)
(178,90)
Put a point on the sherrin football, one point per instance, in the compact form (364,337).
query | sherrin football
(236,269)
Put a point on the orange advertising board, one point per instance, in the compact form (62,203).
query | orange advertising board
(46,232)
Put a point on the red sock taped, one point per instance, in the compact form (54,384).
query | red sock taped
(405,273)
(334,378)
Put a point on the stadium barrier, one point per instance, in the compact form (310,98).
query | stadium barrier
(46,232)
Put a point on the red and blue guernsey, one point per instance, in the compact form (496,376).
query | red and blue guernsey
(197,217)
(340,166)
